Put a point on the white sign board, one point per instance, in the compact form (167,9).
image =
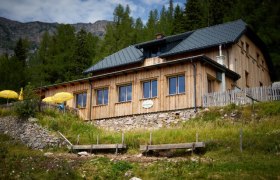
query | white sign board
(147,104)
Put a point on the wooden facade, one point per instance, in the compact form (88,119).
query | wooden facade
(243,57)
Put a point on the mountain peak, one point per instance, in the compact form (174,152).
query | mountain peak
(11,31)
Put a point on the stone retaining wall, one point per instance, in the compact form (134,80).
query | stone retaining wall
(146,121)
(30,133)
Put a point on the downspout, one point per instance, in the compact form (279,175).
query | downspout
(90,99)
(194,85)
(220,60)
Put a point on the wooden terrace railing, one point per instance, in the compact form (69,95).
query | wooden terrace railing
(241,96)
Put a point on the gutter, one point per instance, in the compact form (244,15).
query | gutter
(202,57)
(194,86)
(90,100)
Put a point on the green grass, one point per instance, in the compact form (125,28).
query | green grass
(69,125)
(221,160)
(20,162)
(261,133)
(6,112)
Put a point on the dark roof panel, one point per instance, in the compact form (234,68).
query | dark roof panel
(125,56)
(210,36)
(185,42)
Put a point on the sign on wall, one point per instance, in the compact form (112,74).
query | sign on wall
(147,104)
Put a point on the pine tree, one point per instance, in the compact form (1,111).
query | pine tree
(193,15)
(21,51)
(152,25)
(178,23)
(85,47)
(139,31)
(119,34)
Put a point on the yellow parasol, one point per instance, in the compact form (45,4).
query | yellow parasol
(20,97)
(48,100)
(62,96)
(8,94)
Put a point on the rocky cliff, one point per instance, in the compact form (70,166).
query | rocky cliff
(11,31)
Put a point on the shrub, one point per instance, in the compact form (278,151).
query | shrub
(269,108)
(29,106)
(5,112)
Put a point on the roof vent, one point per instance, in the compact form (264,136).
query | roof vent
(159,36)
(221,57)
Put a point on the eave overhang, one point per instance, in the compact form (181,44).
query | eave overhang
(206,60)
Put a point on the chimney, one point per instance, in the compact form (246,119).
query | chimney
(159,35)
(221,57)
(220,60)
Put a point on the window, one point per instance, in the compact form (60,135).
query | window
(242,46)
(247,48)
(235,65)
(210,85)
(81,100)
(102,96)
(125,93)
(155,52)
(261,84)
(177,84)
(150,89)
(247,78)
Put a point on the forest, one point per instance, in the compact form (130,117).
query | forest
(66,54)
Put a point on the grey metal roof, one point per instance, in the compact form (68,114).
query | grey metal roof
(166,39)
(125,56)
(210,36)
(188,41)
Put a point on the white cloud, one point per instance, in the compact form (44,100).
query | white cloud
(73,11)
(157,2)
(66,11)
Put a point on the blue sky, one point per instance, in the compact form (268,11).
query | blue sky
(74,11)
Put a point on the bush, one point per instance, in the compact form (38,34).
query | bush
(269,108)
(29,106)
(5,112)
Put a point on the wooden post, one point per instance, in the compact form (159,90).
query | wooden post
(65,138)
(122,138)
(147,149)
(193,147)
(117,149)
(78,138)
(241,139)
(97,139)
(151,138)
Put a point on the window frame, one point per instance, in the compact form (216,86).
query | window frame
(84,103)
(247,46)
(177,90)
(247,79)
(103,99)
(210,84)
(242,47)
(150,88)
(126,94)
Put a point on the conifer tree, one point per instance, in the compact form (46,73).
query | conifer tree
(193,15)
(178,23)
(152,25)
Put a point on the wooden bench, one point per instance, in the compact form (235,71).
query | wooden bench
(192,146)
(96,146)
(99,147)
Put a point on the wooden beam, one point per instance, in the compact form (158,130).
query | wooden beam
(172,146)
(98,146)
(65,138)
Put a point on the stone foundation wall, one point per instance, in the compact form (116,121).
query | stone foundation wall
(146,121)
(30,133)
